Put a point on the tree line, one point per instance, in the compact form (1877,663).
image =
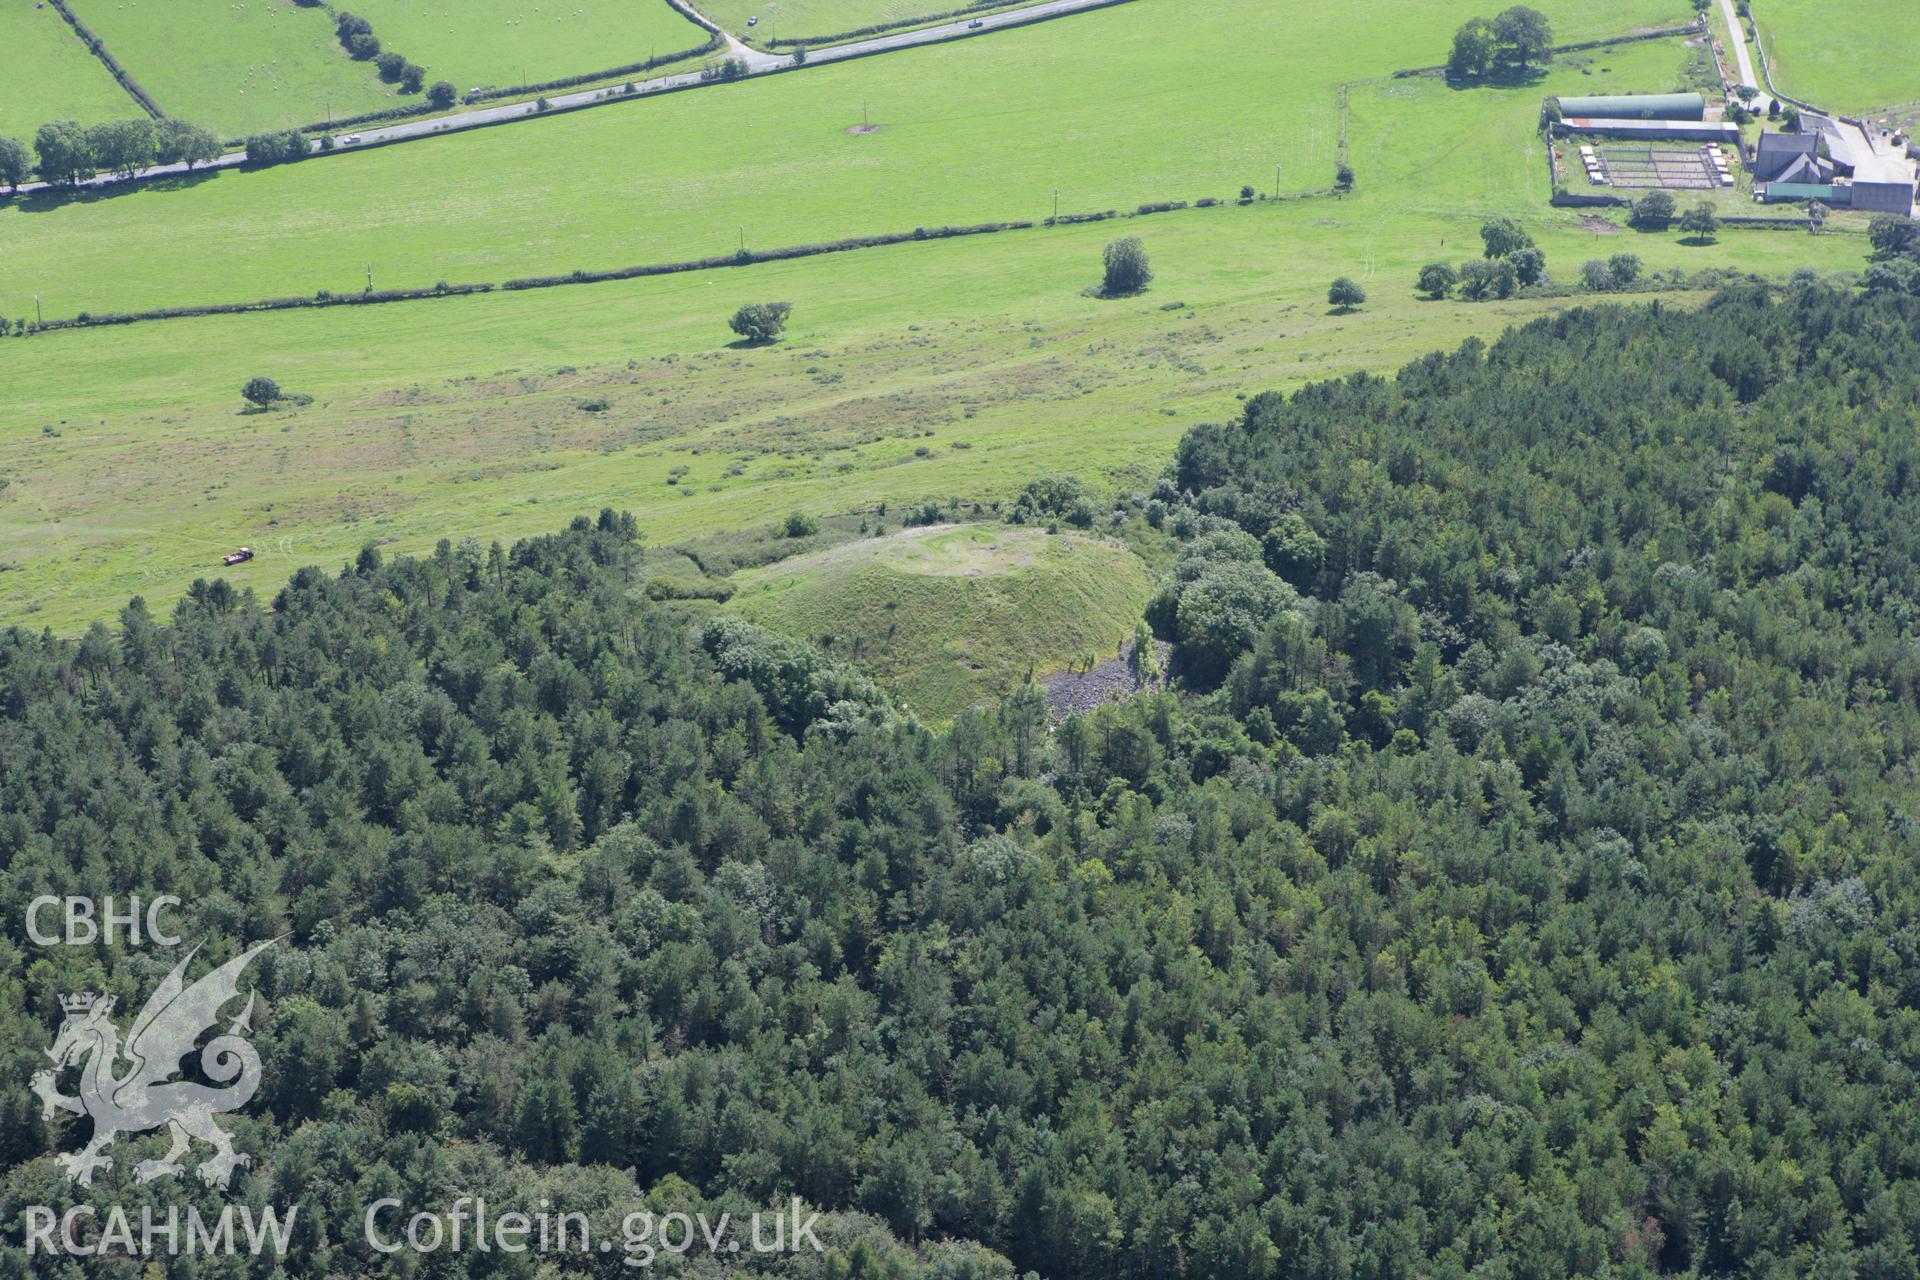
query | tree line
(67,152)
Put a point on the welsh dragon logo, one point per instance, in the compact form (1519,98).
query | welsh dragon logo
(144,1095)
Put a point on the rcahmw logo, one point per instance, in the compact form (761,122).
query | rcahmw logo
(130,1088)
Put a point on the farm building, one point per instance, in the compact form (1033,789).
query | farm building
(1788,157)
(1647,130)
(1638,106)
(1801,192)
(1883,197)
(1881,182)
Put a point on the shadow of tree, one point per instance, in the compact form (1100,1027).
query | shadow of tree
(1505,77)
(48,198)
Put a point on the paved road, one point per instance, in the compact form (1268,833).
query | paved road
(757,63)
(754,59)
(1737,34)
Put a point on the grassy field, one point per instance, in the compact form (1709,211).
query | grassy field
(949,616)
(1020,114)
(791,20)
(1854,56)
(487,43)
(50,75)
(238,66)
(934,369)
(503,415)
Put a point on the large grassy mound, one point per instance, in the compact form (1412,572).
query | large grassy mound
(946,616)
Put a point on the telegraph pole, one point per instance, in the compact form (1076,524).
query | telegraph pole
(1276,182)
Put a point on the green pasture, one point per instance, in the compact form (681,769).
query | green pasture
(917,371)
(1853,56)
(937,369)
(949,616)
(978,130)
(238,66)
(502,43)
(46,73)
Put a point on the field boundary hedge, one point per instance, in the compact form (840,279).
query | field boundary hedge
(713,45)
(1769,224)
(1577,200)
(1016,22)
(88,320)
(1581,46)
(455,124)
(882,28)
(740,258)
(415,109)
(748,257)
(98,48)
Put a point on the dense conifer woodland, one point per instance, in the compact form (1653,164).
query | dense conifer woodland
(1518,880)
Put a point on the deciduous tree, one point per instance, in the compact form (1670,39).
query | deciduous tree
(1127,270)
(122,147)
(16,162)
(177,141)
(1702,222)
(1503,236)
(1437,279)
(64,152)
(1524,36)
(1654,209)
(761,322)
(1473,46)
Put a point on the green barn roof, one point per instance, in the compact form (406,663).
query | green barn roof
(1774,192)
(1642,106)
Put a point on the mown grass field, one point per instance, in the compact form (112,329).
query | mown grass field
(501,43)
(790,20)
(949,616)
(49,74)
(238,66)
(133,468)
(1854,56)
(978,130)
